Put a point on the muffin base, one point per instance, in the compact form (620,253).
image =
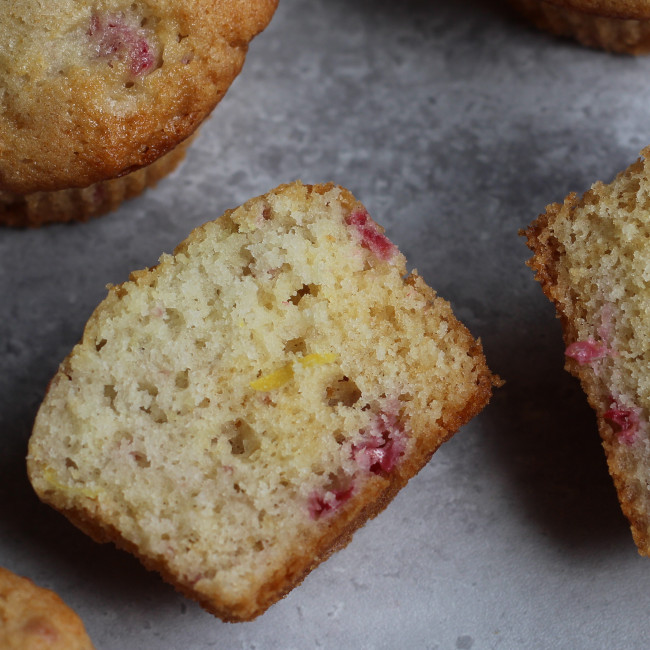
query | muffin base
(81,203)
(625,36)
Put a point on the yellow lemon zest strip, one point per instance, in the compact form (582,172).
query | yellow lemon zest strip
(49,475)
(283,375)
(317,359)
(274,379)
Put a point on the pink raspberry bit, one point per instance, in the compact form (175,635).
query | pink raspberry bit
(627,419)
(42,629)
(381,445)
(323,502)
(587,351)
(371,238)
(379,450)
(115,39)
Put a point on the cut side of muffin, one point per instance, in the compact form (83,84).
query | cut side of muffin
(233,414)
(33,618)
(611,25)
(592,258)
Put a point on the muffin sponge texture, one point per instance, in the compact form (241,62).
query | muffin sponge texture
(232,415)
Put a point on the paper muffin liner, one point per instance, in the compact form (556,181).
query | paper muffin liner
(621,35)
(82,203)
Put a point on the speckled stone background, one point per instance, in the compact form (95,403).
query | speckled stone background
(456,124)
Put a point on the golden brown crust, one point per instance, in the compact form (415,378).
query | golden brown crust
(33,618)
(99,121)
(612,26)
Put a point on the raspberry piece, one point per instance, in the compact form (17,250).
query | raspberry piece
(115,39)
(381,445)
(627,419)
(371,237)
(323,502)
(586,351)
(40,630)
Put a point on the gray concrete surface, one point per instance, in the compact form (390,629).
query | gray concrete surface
(455,124)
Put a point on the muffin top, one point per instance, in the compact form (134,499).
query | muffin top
(94,90)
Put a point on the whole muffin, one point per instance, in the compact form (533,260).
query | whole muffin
(91,92)
(613,25)
(33,618)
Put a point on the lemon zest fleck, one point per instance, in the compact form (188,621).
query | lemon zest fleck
(274,379)
(284,375)
(317,359)
(49,474)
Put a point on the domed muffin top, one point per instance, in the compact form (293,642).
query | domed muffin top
(94,90)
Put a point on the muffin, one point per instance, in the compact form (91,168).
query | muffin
(592,258)
(232,415)
(33,618)
(97,98)
(614,25)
